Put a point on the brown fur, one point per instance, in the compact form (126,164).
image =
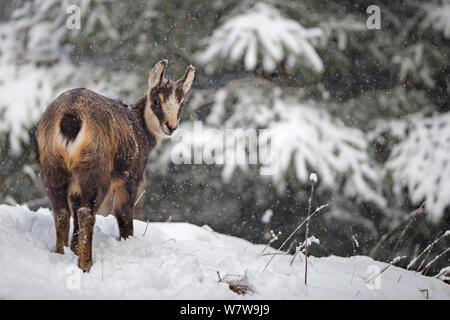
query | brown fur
(93,151)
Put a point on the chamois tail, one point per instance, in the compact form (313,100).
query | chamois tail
(70,126)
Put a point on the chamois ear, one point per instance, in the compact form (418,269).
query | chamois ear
(157,73)
(186,82)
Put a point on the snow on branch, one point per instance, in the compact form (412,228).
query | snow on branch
(420,161)
(263,33)
(413,62)
(438,17)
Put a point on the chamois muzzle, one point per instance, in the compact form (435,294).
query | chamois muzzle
(170,130)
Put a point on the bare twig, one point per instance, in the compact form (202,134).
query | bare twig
(418,210)
(426,292)
(385,268)
(313,181)
(354,245)
(146,226)
(354,241)
(295,255)
(275,253)
(443,272)
(301,224)
(388,234)
(395,260)
(291,245)
(139,198)
(296,229)
(273,238)
(236,283)
(302,246)
(424,260)
(427,249)
(425,270)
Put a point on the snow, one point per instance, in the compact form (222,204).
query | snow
(267,216)
(264,32)
(438,16)
(420,160)
(444,273)
(355,241)
(312,240)
(342,29)
(412,62)
(181,261)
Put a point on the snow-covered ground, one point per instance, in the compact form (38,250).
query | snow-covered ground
(182,261)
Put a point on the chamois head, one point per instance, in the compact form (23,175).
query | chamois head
(165,99)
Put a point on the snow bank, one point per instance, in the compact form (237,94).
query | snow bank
(181,261)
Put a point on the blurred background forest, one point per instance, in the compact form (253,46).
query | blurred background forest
(368,110)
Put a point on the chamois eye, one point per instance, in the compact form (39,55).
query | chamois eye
(156,101)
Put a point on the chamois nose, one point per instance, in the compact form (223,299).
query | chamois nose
(170,128)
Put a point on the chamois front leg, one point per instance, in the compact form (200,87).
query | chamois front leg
(62,225)
(125,222)
(124,216)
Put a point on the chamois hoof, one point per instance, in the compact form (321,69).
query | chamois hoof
(59,250)
(85,265)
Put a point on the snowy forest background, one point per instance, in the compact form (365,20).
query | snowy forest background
(367,110)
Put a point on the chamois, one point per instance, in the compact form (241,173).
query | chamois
(93,148)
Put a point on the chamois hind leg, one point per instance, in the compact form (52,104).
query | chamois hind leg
(124,197)
(58,199)
(86,222)
(93,191)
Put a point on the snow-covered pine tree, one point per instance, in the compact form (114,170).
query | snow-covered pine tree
(262,37)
